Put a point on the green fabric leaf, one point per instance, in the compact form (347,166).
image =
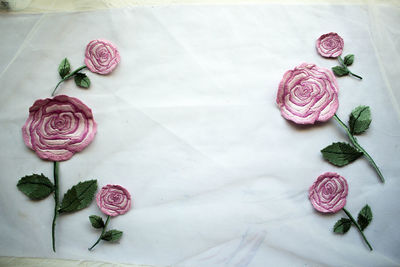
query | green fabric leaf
(360,119)
(79,196)
(364,217)
(82,80)
(96,221)
(64,68)
(342,226)
(340,71)
(340,154)
(112,235)
(35,186)
(348,60)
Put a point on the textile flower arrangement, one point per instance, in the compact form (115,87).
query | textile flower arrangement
(101,56)
(331,45)
(57,128)
(309,94)
(328,195)
(112,200)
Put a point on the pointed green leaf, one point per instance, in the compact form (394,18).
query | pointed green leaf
(360,119)
(35,186)
(96,221)
(340,154)
(364,217)
(340,71)
(348,60)
(342,226)
(64,68)
(79,196)
(82,80)
(112,235)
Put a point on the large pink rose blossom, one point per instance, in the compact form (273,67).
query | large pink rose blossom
(101,56)
(330,45)
(308,94)
(113,200)
(328,193)
(58,127)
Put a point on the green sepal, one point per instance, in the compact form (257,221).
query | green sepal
(364,217)
(348,60)
(64,68)
(340,71)
(112,235)
(35,186)
(340,154)
(360,119)
(342,226)
(82,80)
(79,196)
(96,221)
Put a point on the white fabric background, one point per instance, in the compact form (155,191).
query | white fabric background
(189,125)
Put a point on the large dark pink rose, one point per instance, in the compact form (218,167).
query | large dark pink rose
(101,56)
(58,127)
(328,193)
(330,45)
(308,94)
(113,200)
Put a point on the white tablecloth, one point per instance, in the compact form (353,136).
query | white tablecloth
(189,125)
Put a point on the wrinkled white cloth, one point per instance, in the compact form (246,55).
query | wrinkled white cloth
(188,124)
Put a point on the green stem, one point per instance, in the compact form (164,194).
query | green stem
(358,227)
(344,66)
(67,77)
(102,233)
(360,148)
(56,167)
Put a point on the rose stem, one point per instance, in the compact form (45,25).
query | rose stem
(56,167)
(344,66)
(67,77)
(102,233)
(357,145)
(358,227)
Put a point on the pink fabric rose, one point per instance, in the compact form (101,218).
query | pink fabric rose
(330,45)
(58,127)
(328,193)
(308,94)
(113,200)
(101,56)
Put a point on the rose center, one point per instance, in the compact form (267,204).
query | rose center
(116,197)
(59,123)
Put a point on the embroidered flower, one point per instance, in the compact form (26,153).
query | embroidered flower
(330,45)
(307,94)
(328,193)
(113,200)
(58,127)
(101,56)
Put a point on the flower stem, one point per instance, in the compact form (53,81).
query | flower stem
(67,77)
(358,227)
(344,66)
(56,167)
(102,233)
(360,148)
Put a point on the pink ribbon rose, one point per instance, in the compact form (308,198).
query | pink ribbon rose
(308,94)
(113,200)
(101,56)
(330,45)
(328,193)
(58,127)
